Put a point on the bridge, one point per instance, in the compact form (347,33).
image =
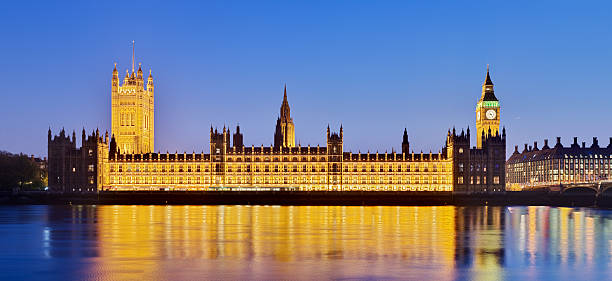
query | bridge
(599,188)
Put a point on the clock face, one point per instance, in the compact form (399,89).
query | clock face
(491,114)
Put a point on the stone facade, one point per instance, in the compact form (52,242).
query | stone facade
(130,164)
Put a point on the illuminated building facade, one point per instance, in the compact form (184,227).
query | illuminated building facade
(557,165)
(132,106)
(457,167)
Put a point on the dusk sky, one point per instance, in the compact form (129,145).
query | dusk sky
(374,66)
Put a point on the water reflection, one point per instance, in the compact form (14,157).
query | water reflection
(306,242)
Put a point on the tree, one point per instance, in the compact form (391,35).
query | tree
(20,171)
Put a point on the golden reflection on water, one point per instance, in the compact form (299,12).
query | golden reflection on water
(138,239)
(322,242)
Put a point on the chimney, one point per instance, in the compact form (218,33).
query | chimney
(516,149)
(610,145)
(525,148)
(535,145)
(558,140)
(530,148)
(545,144)
(583,144)
(595,143)
(575,140)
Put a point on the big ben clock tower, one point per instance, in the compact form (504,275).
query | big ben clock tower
(487,111)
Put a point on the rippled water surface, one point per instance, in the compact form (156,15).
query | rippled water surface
(271,242)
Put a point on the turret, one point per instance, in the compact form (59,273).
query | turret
(150,86)
(405,142)
(113,147)
(115,80)
(238,140)
(139,73)
(139,78)
(334,142)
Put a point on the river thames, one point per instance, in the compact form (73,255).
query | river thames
(89,242)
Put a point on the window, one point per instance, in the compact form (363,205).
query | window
(460,180)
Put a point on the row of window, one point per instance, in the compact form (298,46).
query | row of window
(286,168)
(305,188)
(477,180)
(557,178)
(279,180)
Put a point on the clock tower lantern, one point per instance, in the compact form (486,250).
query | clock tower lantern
(487,112)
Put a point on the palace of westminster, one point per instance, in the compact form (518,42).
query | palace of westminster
(126,159)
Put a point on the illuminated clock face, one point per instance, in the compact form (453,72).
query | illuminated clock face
(491,114)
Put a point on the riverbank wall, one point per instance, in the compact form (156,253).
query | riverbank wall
(586,199)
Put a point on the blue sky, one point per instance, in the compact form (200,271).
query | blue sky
(374,66)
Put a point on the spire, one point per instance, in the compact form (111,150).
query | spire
(133,46)
(285,94)
(488,78)
(285,110)
(488,93)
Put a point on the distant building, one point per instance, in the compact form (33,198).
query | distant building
(129,163)
(42,164)
(553,166)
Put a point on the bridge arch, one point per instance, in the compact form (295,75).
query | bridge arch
(580,189)
(605,188)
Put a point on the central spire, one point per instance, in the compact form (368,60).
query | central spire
(284,135)
(285,110)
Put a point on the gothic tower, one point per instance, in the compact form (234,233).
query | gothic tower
(405,143)
(487,112)
(132,106)
(284,135)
